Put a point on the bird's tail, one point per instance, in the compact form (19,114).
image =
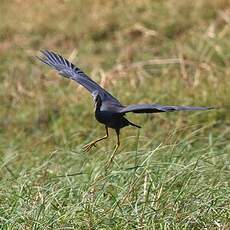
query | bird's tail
(132,124)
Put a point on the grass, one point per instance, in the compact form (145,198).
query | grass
(171,174)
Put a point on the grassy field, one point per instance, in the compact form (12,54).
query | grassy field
(174,173)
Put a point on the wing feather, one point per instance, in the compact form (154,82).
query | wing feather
(68,70)
(156,108)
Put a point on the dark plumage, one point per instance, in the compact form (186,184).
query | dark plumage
(108,110)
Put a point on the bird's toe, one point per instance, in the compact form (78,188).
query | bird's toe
(87,147)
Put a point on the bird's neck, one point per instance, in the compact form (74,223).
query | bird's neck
(98,106)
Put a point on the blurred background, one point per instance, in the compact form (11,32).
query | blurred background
(170,52)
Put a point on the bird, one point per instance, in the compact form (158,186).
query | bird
(108,110)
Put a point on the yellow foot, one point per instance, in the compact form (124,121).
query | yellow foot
(108,163)
(111,158)
(87,147)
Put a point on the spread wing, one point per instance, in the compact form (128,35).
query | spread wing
(156,108)
(68,70)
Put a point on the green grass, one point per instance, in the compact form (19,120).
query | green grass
(171,174)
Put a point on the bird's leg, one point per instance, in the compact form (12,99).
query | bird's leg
(116,148)
(93,143)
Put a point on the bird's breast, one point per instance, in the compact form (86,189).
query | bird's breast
(111,119)
(104,116)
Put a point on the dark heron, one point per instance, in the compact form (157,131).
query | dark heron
(108,110)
